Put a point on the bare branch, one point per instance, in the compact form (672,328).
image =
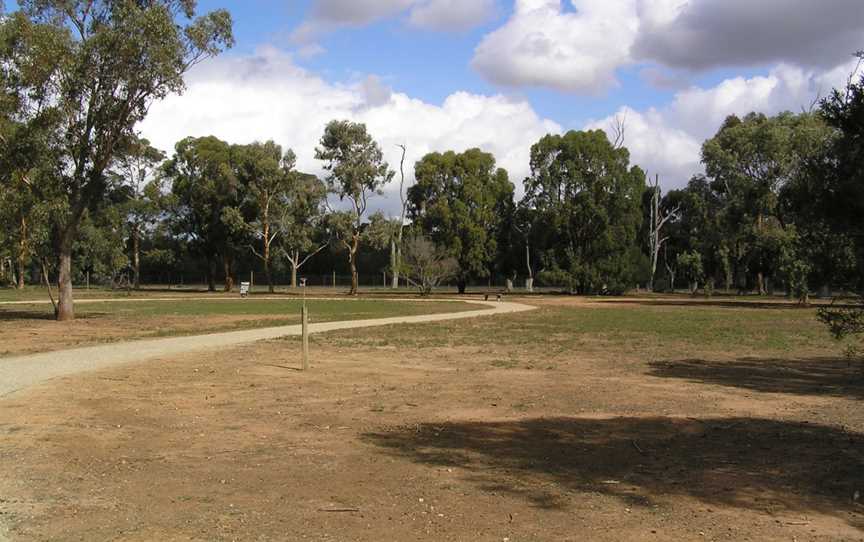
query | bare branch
(619,129)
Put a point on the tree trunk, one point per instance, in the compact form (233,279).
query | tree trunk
(352,259)
(65,306)
(136,256)
(394,264)
(269,275)
(294,273)
(22,266)
(22,253)
(229,280)
(211,274)
(462,285)
(267,272)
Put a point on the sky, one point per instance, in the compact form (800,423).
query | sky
(440,75)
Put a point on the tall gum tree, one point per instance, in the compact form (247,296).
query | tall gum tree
(587,202)
(356,171)
(460,201)
(750,161)
(97,66)
(266,175)
(203,187)
(134,171)
(301,222)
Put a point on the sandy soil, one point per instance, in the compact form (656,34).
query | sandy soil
(451,443)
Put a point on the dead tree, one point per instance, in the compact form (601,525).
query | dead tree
(658,219)
(396,241)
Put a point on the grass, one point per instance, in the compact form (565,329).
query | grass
(630,328)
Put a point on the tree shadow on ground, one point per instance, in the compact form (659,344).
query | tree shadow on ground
(47,314)
(835,377)
(748,463)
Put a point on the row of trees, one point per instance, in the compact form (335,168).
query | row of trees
(81,195)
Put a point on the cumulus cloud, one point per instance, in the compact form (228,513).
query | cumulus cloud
(668,140)
(704,34)
(441,15)
(542,45)
(266,96)
(579,45)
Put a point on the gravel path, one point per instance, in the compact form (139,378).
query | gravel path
(17,373)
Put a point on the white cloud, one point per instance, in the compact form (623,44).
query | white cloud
(579,45)
(668,140)
(266,96)
(542,45)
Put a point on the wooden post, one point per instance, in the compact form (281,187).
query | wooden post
(305,332)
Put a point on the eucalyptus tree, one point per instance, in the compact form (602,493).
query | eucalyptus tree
(356,171)
(302,222)
(750,161)
(459,201)
(587,200)
(204,187)
(135,171)
(92,68)
(266,175)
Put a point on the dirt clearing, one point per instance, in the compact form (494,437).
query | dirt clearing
(531,426)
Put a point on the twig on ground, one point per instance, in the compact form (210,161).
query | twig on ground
(638,449)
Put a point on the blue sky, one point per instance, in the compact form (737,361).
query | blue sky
(500,74)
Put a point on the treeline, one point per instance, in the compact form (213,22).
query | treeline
(82,197)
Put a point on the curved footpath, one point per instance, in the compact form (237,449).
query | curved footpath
(17,373)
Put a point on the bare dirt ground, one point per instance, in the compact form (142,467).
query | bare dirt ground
(519,427)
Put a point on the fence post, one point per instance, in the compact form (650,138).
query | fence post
(304,327)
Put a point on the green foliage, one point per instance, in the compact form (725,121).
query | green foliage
(354,162)
(689,264)
(460,202)
(206,194)
(587,203)
(834,197)
(356,171)
(846,323)
(751,161)
(82,74)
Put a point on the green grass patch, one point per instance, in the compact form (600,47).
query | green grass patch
(624,328)
(319,310)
